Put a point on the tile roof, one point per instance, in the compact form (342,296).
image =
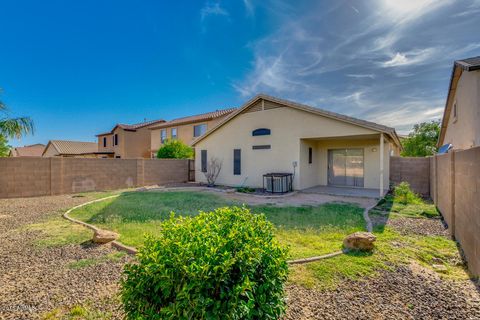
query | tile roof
(469,64)
(325,113)
(196,118)
(132,127)
(74,147)
(34,150)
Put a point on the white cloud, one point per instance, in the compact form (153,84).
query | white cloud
(249,7)
(213,9)
(371,76)
(409,58)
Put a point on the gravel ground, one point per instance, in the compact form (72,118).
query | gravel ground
(405,294)
(406,225)
(35,280)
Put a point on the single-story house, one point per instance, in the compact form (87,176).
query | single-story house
(74,149)
(319,147)
(461,117)
(33,150)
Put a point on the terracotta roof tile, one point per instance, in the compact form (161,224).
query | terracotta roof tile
(196,118)
(34,150)
(74,147)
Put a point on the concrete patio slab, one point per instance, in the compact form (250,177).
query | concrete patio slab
(344,191)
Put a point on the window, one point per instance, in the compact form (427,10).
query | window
(163,135)
(118,157)
(204,160)
(174,133)
(104,142)
(261,132)
(237,156)
(262,147)
(310,155)
(455,112)
(115,139)
(199,130)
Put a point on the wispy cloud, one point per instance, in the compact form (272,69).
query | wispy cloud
(212,9)
(409,58)
(249,7)
(389,63)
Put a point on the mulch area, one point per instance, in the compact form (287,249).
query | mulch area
(35,280)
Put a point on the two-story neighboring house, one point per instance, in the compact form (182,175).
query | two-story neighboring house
(185,129)
(128,141)
(461,118)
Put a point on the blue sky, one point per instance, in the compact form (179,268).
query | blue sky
(79,67)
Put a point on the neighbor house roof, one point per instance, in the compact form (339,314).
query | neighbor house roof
(329,114)
(196,118)
(33,150)
(132,127)
(65,147)
(459,66)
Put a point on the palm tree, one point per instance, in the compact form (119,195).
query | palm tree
(14,127)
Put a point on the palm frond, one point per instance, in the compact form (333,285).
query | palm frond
(16,127)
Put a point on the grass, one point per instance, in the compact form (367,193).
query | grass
(307,230)
(57,232)
(76,312)
(83,263)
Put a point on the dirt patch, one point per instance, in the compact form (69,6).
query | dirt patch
(403,294)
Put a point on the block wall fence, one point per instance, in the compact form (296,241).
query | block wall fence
(454,186)
(29,177)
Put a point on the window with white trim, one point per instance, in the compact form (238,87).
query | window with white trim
(163,135)
(174,133)
(199,130)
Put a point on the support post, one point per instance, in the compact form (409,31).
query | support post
(381,164)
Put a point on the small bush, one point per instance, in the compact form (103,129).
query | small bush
(175,149)
(223,264)
(245,190)
(405,195)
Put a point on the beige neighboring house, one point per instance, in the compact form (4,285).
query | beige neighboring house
(461,117)
(33,150)
(128,141)
(73,149)
(321,148)
(186,129)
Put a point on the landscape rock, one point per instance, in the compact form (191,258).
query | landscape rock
(360,241)
(104,236)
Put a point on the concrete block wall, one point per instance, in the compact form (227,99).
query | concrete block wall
(415,171)
(29,177)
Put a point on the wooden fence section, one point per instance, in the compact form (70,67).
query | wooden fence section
(28,177)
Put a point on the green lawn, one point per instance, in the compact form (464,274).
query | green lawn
(307,230)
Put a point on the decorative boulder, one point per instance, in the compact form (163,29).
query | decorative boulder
(360,241)
(104,236)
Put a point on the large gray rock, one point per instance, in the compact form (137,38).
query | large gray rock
(360,241)
(104,236)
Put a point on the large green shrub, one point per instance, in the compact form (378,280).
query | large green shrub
(175,149)
(224,264)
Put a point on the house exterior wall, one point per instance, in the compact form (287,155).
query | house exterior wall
(184,133)
(464,131)
(50,151)
(131,144)
(292,132)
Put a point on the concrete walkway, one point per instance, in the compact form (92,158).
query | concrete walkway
(344,191)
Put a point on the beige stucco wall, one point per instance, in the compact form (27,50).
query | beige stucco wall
(131,144)
(184,133)
(50,151)
(288,127)
(464,132)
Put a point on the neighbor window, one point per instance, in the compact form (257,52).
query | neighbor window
(115,139)
(237,164)
(163,135)
(199,130)
(104,142)
(310,155)
(204,160)
(174,133)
